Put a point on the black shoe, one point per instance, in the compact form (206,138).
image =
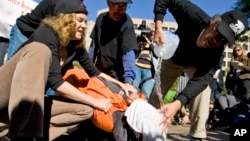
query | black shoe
(196,139)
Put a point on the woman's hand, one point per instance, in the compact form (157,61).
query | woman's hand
(240,64)
(103,104)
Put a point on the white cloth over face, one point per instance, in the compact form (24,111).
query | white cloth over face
(145,119)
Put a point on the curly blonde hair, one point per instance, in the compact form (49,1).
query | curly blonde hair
(65,26)
(242,57)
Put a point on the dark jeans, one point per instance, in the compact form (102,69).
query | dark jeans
(243,90)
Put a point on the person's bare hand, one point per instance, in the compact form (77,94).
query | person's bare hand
(129,87)
(169,111)
(159,37)
(104,104)
(185,120)
(240,64)
(131,98)
(215,76)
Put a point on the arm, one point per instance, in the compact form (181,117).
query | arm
(129,66)
(246,66)
(55,79)
(90,68)
(129,70)
(195,85)
(69,91)
(160,9)
(159,37)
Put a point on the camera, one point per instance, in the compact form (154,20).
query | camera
(144,32)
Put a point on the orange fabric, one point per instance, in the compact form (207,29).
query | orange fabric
(96,88)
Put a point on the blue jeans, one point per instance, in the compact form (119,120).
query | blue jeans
(141,75)
(16,40)
(3,49)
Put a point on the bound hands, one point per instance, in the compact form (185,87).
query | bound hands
(169,110)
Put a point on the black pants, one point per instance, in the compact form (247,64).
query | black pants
(242,92)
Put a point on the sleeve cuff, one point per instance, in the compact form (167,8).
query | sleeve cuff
(159,17)
(183,99)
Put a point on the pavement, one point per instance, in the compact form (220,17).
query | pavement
(180,133)
(175,133)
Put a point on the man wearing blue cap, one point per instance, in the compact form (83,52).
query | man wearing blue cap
(199,53)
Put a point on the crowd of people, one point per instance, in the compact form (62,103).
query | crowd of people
(43,92)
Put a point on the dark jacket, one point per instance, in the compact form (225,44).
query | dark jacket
(112,40)
(191,21)
(29,22)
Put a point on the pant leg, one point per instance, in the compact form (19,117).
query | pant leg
(16,40)
(65,112)
(244,90)
(66,115)
(148,85)
(232,101)
(137,80)
(169,73)
(223,102)
(25,76)
(199,109)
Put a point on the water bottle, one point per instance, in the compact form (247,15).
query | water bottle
(168,49)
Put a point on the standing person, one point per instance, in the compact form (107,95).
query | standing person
(27,24)
(216,86)
(240,70)
(40,63)
(145,68)
(114,42)
(199,53)
(8,16)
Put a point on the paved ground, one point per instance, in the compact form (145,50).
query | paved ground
(175,133)
(180,133)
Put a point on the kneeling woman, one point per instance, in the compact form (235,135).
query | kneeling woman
(39,64)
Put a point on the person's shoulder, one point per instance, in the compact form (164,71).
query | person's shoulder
(127,20)
(45,29)
(128,17)
(101,16)
(46,33)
